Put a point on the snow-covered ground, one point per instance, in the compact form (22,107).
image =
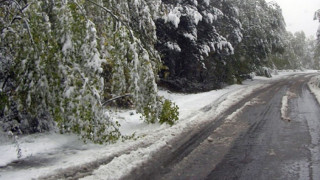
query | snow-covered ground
(314,86)
(50,153)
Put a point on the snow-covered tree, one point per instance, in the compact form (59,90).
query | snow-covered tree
(310,61)
(68,61)
(25,46)
(317,50)
(62,60)
(128,38)
(317,17)
(192,37)
(263,29)
(288,59)
(56,71)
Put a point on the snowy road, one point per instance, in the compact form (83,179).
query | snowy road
(273,133)
(264,128)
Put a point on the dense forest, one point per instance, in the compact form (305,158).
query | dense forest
(68,63)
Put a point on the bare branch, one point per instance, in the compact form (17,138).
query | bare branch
(23,8)
(107,10)
(115,98)
(81,9)
(28,28)
(15,18)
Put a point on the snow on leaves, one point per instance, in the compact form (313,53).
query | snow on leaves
(317,17)
(191,14)
(65,57)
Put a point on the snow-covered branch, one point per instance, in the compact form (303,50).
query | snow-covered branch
(114,16)
(115,98)
(28,28)
(117,18)
(17,16)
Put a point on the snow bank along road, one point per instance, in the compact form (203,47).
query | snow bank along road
(274,133)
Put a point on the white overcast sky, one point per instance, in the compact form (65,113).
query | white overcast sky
(298,15)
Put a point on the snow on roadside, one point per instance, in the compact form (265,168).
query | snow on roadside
(64,151)
(314,85)
(194,109)
(33,144)
(121,165)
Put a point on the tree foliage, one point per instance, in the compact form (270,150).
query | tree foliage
(206,44)
(264,30)
(317,17)
(61,59)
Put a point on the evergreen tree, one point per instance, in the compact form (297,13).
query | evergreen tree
(193,37)
(288,59)
(263,29)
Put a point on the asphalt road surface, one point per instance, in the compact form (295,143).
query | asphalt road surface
(251,140)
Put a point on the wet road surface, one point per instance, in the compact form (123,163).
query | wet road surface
(254,143)
(274,148)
